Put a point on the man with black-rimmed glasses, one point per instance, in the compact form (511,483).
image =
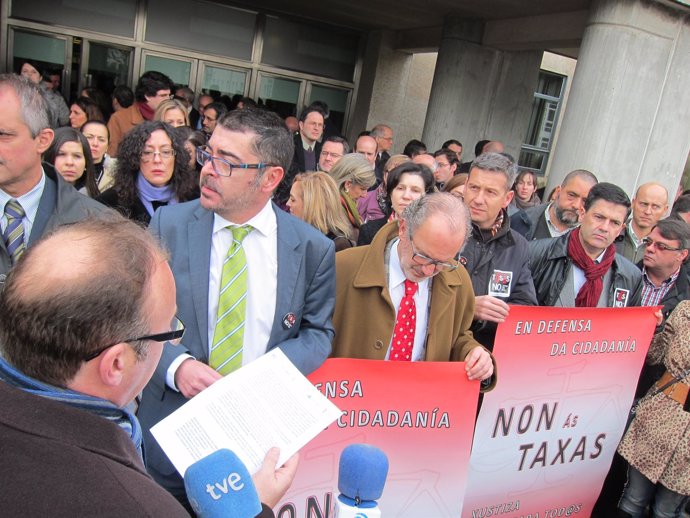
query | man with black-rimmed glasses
(250,277)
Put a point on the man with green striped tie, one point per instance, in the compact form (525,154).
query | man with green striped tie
(250,277)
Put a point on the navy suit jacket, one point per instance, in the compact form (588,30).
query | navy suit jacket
(306,288)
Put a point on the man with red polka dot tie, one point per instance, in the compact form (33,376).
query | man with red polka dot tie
(405,297)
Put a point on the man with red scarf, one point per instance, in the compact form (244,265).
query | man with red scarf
(581,268)
(152,89)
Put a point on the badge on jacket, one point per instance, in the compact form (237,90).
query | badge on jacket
(499,284)
(289,320)
(620,298)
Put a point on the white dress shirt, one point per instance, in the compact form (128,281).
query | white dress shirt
(396,288)
(261,251)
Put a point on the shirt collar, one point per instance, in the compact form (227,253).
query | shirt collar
(305,144)
(29,201)
(668,281)
(636,240)
(265,221)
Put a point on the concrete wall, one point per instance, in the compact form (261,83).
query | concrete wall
(628,112)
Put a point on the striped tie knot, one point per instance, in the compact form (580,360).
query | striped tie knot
(240,232)
(14,210)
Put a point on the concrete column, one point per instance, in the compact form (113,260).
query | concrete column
(393,89)
(629,107)
(479,92)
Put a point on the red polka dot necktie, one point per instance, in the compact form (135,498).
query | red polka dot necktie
(403,334)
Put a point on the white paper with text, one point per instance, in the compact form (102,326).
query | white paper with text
(264,404)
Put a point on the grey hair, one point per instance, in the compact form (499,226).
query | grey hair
(497,163)
(32,102)
(445,205)
(379,130)
(354,168)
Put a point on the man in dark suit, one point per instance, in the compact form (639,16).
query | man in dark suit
(288,291)
(33,197)
(307,150)
(384,142)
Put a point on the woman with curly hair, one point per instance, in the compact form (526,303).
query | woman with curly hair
(152,170)
(70,154)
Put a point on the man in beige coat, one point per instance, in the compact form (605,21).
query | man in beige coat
(370,282)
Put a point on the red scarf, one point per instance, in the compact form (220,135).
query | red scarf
(146,111)
(589,294)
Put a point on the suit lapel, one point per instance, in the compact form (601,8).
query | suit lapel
(199,232)
(289,265)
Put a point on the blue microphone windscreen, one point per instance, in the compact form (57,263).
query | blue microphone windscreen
(362,472)
(219,485)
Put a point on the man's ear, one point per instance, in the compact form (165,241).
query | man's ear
(112,364)
(271,178)
(509,198)
(44,139)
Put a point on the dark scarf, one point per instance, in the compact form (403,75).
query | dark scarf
(94,405)
(589,294)
(146,111)
(532,202)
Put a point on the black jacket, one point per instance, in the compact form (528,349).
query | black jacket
(282,194)
(550,265)
(507,251)
(531,223)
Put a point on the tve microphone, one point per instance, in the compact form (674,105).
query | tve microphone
(361,476)
(219,485)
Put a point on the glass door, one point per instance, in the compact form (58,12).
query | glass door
(337,99)
(50,53)
(105,66)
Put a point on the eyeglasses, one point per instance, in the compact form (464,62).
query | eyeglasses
(221,166)
(173,337)
(327,154)
(423,260)
(647,241)
(165,154)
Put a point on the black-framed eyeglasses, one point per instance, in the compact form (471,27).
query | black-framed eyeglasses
(423,260)
(173,337)
(221,166)
(647,241)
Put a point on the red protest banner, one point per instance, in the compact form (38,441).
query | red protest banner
(420,414)
(546,435)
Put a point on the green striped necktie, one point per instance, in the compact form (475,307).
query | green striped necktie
(226,349)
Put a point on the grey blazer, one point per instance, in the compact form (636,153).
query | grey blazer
(306,288)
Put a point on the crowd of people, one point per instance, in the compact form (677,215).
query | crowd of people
(431,254)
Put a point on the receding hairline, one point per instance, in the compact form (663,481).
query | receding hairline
(651,185)
(587,176)
(69,258)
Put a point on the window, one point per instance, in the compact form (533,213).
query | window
(534,154)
